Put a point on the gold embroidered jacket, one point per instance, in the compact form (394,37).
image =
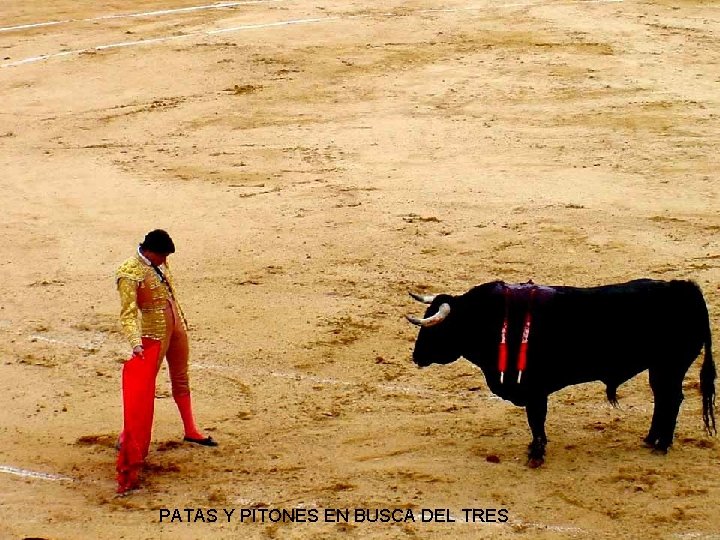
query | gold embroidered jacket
(143,299)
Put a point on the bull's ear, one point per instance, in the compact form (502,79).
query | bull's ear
(424,298)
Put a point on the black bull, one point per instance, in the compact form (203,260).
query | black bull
(609,333)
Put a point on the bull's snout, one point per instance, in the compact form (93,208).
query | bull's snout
(419,362)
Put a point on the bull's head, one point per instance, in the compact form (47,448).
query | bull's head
(437,342)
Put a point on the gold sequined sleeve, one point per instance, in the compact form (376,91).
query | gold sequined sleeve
(129,310)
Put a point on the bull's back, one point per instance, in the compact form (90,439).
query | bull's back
(616,331)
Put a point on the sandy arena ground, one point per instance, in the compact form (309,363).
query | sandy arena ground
(315,161)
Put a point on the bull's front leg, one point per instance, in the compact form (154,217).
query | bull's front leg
(536,410)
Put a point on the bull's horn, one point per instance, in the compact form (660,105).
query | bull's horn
(440,316)
(424,298)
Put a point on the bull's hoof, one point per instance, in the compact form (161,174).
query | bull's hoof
(534,463)
(536,453)
(659,450)
(649,442)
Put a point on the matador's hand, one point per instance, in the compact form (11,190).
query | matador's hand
(138,350)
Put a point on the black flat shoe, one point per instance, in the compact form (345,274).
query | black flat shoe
(207,441)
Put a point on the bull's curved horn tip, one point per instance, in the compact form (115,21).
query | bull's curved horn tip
(413,320)
(440,316)
(424,298)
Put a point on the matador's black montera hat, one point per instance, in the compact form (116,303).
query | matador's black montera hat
(158,241)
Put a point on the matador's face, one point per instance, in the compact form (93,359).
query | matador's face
(156,258)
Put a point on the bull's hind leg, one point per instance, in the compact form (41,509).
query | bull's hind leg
(652,437)
(667,390)
(536,410)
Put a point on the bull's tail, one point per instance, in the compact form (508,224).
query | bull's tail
(707,380)
(707,387)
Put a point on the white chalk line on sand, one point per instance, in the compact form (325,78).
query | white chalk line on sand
(517,4)
(163,39)
(276,24)
(328,381)
(157,13)
(95,345)
(32,474)
(88,346)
